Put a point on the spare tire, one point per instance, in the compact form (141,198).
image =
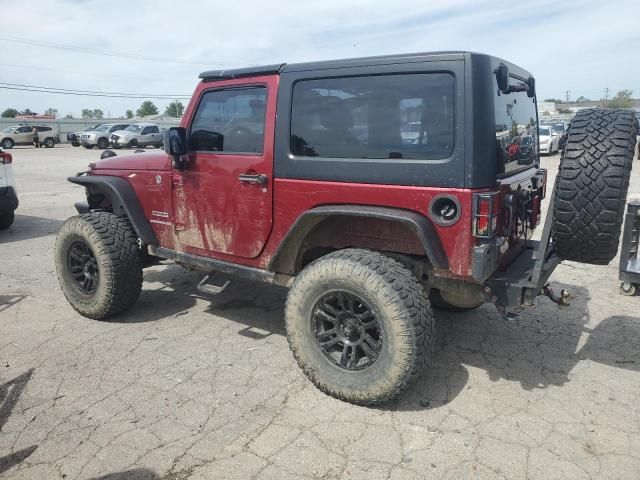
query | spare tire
(591,186)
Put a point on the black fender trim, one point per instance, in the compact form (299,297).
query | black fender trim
(286,255)
(123,200)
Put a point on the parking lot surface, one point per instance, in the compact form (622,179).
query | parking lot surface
(185,386)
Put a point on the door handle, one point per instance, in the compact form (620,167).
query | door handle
(259,179)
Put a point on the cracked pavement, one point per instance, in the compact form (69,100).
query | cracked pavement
(191,387)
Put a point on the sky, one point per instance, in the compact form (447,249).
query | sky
(158,47)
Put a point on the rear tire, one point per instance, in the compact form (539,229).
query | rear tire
(7,143)
(88,147)
(103,143)
(6,220)
(381,301)
(75,144)
(592,184)
(99,264)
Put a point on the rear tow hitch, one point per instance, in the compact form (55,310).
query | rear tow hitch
(562,300)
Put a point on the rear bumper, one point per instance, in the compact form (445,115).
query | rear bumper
(8,199)
(524,279)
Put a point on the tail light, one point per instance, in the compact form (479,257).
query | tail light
(534,212)
(5,158)
(542,182)
(486,207)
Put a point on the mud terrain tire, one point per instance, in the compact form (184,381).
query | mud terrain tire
(108,245)
(592,183)
(398,305)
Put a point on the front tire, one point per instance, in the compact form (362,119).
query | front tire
(99,264)
(49,142)
(359,325)
(103,143)
(6,220)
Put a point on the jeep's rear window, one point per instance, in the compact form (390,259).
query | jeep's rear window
(407,116)
(516,120)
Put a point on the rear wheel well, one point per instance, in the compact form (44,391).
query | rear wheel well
(338,232)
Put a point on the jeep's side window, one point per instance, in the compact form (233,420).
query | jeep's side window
(230,120)
(409,116)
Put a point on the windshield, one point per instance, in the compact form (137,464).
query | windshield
(7,130)
(558,127)
(545,131)
(526,141)
(133,128)
(88,129)
(103,128)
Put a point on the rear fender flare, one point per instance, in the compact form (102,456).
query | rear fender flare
(286,257)
(124,201)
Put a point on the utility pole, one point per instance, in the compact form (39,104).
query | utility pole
(606,96)
(566,93)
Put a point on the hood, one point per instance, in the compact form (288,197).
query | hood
(135,161)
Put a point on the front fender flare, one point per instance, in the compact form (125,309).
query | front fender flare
(285,257)
(123,200)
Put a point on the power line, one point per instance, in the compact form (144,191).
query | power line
(91,94)
(76,90)
(95,74)
(107,53)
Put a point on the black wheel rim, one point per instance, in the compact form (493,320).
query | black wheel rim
(83,267)
(347,331)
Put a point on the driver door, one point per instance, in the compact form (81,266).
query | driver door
(223,200)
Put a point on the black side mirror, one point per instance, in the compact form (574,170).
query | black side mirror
(531,90)
(175,144)
(502,77)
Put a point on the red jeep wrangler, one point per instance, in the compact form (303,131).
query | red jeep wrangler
(373,188)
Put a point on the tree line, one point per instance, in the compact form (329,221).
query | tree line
(622,99)
(174,109)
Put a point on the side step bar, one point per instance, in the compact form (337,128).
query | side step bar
(208,265)
(209,289)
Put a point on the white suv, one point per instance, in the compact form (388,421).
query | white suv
(8,195)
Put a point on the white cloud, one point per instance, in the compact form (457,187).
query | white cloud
(570,45)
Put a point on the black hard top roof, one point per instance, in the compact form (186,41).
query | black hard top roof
(321,65)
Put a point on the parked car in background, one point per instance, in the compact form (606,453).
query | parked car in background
(137,135)
(23,135)
(8,195)
(74,138)
(526,155)
(562,129)
(548,140)
(100,135)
